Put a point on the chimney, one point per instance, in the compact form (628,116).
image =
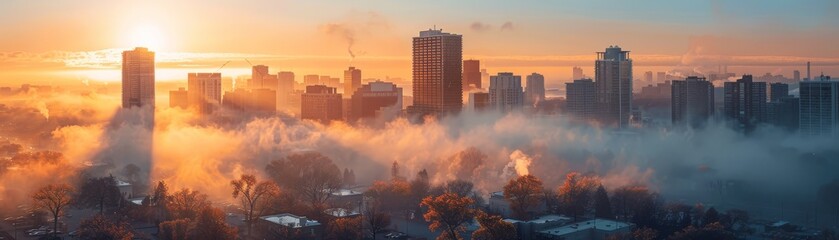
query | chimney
(303,221)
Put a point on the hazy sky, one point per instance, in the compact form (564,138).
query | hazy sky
(66,38)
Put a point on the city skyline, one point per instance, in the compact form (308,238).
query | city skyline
(375,34)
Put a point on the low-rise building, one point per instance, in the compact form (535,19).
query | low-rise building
(595,229)
(289,225)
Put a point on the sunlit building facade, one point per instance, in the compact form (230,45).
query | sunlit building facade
(437,72)
(321,103)
(137,78)
(613,81)
(204,91)
(505,92)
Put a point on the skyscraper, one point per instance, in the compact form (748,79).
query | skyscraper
(505,92)
(372,98)
(745,102)
(613,80)
(137,78)
(819,107)
(778,91)
(577,73)
(692,101)
(471,74)
(204,91)
(352,81)
(437,69)
(534,92)
(321,103)
(581,99)
(258,74)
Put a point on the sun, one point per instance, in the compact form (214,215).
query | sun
(148,36)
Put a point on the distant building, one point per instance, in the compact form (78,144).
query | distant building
(479,101)
(661,76)
(239,99)
(613,81)
(264,100)
(258,75)
(784,113)
(137,78)
(658,91)
(286,223)
(256,101)
(179,98)
(471,74)
(505,92)
(581,101)
(372,98)
(745,102)
(692,102)
(778,91)
(321,103)
(819,107)
(648,77)
(309,80)
(285,86)
(437,71)
(204,91)
(595,229)
(577,73)
(534,92)
(352,81)
(796,76)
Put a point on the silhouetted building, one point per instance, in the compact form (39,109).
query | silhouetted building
(648,77)
(692,102)
(658,91)
(372,98)
(256,101)
(796,75)
(613,80)
(437,69)
(321,103)
(352,81)
(819,107)
(471,74)
(479,101)
(778,91)
(581,100)
(505,92)
(204,91)
(784,113)
(330,82)
(661,76)
(745,102)
(179,98)
(137,78)
(577,73)
(534,92)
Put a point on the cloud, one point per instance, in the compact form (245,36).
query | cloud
(507,26)
(480,27)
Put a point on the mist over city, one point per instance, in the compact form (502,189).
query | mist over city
(398,120)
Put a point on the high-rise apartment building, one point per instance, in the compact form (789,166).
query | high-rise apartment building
(505,92)
(613,80)
(437,71)
(819,107)
(534,92)
(137,78)
(204,91)
(471,74)
(352,81)
(692,101)
(745,102)
(581,100)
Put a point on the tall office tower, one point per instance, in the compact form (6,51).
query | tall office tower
(661,76)
(285,86)
(577,73)
(258,75)
(745,102)
(505,92)
(372,98)
(321,103)
(437,69)
(692,101)
(581,99)
(137,78)
(819,107)
(778,91)
(179,98)
(471,74)
(648,77)
(613,80)
(534,92)
(309,80)
(204,91)
(796,75)
(479,101)
(352,81)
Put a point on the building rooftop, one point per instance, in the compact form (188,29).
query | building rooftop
(595,224)
(434,33)
(341,212)
(542,219)
(346,192)
(290,220)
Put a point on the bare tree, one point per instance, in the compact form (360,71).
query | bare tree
(54,198)
(310,175)
(252,193)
